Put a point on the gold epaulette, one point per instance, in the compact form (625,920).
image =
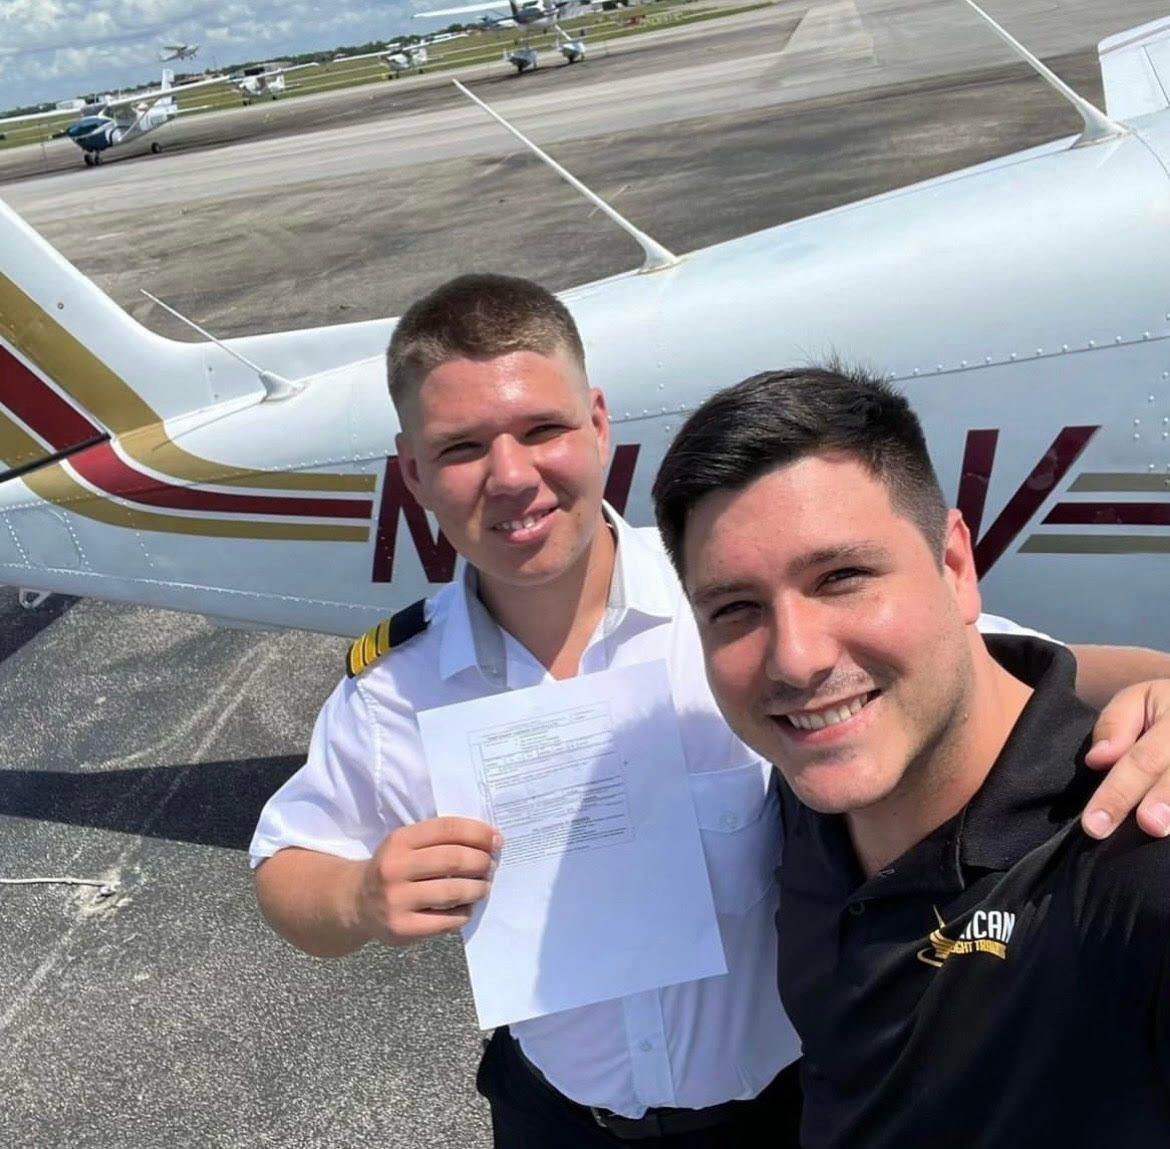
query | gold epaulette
(390,633)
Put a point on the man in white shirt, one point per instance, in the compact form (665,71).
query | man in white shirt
(504,441)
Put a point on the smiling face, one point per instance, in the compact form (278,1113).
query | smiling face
(509,453)
(836,645)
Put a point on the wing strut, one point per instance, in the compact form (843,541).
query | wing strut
(275,386)
(657,256)
(1098,126)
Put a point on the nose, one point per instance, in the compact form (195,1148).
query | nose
(511,467)
(802,648)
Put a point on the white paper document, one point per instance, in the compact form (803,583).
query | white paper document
(602,887)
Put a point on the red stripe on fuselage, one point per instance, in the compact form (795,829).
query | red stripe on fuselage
(1110,515)
(104,468)
(41,409)
(44,412)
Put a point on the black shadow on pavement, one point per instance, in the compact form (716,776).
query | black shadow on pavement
(212,804)
(19,626)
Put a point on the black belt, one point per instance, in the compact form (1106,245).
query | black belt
(661,1122)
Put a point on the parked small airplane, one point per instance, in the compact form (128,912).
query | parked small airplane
(178,52)
(398,57)
(530,15)
(264,80)
(522,13)
(112,122)
(1023,305)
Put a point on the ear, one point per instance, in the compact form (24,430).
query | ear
(408,465)
(599,417)
(959,568)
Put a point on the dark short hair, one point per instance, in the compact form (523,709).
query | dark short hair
(477,317)
(779,417)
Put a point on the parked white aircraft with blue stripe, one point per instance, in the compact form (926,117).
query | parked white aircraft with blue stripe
(1023,305)
(114,121)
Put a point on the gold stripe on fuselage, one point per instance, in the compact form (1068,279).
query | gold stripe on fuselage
(114,403)
(56,485)
(1122,482)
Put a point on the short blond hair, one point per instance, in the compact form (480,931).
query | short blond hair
(477,317)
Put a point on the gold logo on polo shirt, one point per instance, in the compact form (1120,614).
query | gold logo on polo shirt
(988,932)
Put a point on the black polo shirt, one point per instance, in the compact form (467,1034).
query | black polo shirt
(1004,983)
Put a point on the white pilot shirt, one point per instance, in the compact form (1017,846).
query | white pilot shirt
(687,1046)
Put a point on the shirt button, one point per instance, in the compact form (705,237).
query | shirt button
(857,908)
(645,1046)
(728,821)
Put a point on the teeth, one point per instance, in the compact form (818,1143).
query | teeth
(831,716)
(525,523)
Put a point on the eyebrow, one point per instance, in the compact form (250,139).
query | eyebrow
(448,435)
(824,556)
(846,552)
(718,590)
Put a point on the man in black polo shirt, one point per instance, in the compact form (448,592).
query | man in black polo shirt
(964,965)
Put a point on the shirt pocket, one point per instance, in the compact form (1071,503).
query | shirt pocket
(738,811)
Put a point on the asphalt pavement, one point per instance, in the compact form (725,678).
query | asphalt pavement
(138,746)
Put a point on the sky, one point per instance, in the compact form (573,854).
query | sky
(58,49)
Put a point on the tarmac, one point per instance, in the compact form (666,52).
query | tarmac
(138,746)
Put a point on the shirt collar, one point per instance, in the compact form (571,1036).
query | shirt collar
(1039,783)
(643,583)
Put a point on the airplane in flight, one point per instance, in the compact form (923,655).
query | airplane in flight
(178,52)
(264,81)
(1023,305)
(531,15)
(115,121)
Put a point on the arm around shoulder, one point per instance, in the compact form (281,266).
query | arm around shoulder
(1104,671)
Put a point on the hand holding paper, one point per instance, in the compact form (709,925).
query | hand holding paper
(601,888)
(425,879)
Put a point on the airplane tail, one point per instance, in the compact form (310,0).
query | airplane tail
(1135,67)
(123,453)
(75,369)
(168,80)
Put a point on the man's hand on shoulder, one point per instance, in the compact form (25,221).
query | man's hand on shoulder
(425,879)
(1132,740)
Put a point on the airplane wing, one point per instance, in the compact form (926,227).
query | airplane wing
(1135,67)
(239,76)
(57,113)
(389,51)
(161,93)
(485,7)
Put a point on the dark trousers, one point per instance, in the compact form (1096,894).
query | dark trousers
(528,1113)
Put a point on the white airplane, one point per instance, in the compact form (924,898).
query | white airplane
(178,52)
(115,121)
(530,15)
(1023,304)
(397,57)
(520,13)
(264,80)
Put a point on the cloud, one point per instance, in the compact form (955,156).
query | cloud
(55,49)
